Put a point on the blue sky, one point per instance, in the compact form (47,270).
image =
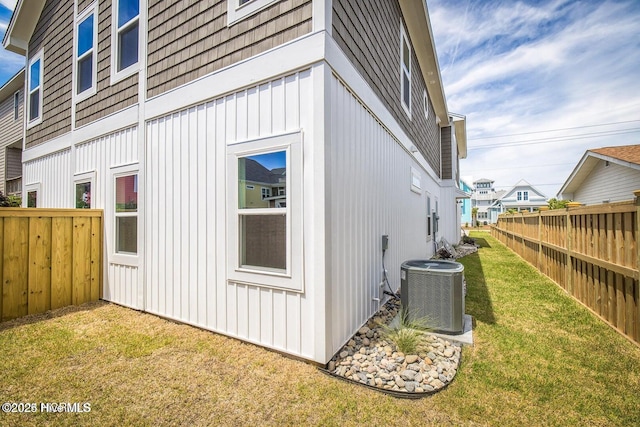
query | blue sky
(10,63)
(556,77)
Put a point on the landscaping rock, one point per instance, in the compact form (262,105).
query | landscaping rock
(370,359)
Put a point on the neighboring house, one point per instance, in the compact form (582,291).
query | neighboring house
(11,131)
(604,175)
(465,203)
(523,197)
(484,195)
(152,112)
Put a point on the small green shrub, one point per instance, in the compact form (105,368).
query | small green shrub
(408,335)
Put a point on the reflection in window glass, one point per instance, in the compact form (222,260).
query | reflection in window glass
(32,199)
(127,193)
(83,195)
(262,181)
(127,214)
(262,184)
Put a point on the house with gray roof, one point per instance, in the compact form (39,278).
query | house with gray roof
(522,197)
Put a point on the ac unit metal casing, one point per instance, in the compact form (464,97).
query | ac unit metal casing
(434,289)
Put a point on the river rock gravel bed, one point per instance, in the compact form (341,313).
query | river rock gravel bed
(369,358)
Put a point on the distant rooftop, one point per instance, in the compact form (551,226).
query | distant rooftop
(626,153)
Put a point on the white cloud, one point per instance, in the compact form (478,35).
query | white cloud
(9,4)
(521,68)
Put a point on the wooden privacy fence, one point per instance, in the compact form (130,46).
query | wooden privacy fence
(49,258)
(590,251)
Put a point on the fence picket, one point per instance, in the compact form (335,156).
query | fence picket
(591,252)
(43,262)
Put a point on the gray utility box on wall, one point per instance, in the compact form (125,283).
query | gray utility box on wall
(434,289)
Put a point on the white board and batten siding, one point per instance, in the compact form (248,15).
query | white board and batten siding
(103,157)
(50,177)
(186,252)
(54,176)
(371,195)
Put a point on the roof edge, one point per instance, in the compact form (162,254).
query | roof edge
(416,16)
(14,84)
(23,23)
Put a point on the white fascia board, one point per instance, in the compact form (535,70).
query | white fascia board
(416,17)
(23,22)
(60,143)
(614,160)
(571,183)
(122,119)
(287,58)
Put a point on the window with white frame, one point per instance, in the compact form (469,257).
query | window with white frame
(525,195)
(34,86)
(126,24)
(405,71)
(126,213)
(265,232)
(16,105)
(240,9)
(83,186)
(86,29)
(33,194)
(425,102)
(428,217)
(416,185)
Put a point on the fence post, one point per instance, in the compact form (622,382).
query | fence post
(637,288)
(568,267)
(540,242)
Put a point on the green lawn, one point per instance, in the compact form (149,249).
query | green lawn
(539,359)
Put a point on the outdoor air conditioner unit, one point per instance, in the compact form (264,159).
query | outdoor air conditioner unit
(434,289)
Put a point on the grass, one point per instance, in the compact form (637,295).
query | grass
(539,359)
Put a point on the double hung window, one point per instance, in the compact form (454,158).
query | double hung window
(126,213)
(405,71)
(35,89)
(126,24)
(265,212)
(85,56)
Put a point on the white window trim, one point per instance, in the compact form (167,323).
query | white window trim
(404,39)
(81,178)
(77,97)
(122,258)
(429,224)
(416,178)
(37,187)
(16,105)
(236,13)
(425,101)
(292,278)
(37,120)
(116,75)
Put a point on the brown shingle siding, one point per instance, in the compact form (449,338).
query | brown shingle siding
(188,40)
(54,34)
(109,98)
(369,34)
